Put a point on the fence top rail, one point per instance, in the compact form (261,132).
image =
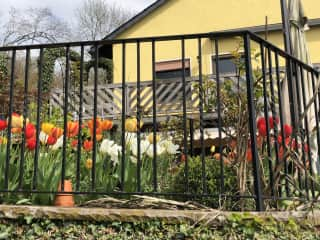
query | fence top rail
(282,53)
(129,40)
(219,34)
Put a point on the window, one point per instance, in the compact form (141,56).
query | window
(226,65)
(172,69)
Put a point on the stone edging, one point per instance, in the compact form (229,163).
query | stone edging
(214,217)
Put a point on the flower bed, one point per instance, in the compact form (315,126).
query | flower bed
(79,156)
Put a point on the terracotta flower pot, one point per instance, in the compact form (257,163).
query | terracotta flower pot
(65,200)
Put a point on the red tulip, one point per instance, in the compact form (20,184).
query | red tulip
(74,143)
(3,125)
(281,152)
(106,125)
(280,139)
(306,147)
(294,144)
(87,145)
(56,132)
(51,140)
(91,123)
(273,120)
(30,131)
(287,130)
(286,141)
(249,155)
(72,129)
(31,143)
(262,130)
(261,121)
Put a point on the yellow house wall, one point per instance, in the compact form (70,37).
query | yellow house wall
(176,17)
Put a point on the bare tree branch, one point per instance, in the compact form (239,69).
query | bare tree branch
(33,25)
(97,18)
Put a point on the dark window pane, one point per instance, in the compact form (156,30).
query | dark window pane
(226,65)
(172,74)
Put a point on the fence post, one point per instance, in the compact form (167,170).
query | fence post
(127,99)
(252,124)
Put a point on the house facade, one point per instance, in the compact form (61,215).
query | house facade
(175,17)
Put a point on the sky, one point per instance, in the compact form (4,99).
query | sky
(65,8)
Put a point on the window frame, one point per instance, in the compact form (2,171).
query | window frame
(226,55)
(176,65)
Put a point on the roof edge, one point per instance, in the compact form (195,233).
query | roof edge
(315,22)
(135,19)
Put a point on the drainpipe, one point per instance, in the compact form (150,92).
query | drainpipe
(290,69)
(286,26)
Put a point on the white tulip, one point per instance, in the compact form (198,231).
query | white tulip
(43,137)
(58,144)
(106,145)
(160,150)
(113,150)
(169,147)
(144,146)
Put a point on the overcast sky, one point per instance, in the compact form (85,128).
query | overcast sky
(65,8)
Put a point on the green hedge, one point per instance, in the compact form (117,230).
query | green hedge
(237,227)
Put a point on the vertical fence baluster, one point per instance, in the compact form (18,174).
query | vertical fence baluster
(299,126)
(184,109)
(273,108)
(191,131)
(138,118)
(8,154)
(316,113)
(79,145)
(25,114)
(307,132)
(39,104)
(252,124)
(201,96)
(283,142)
(266,116)
(217,66)
(123,117)
(154,109)
(65,117)
(95,110)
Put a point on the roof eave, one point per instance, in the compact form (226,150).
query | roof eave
(135,19)
(273,27)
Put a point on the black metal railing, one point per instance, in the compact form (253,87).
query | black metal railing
(238,142)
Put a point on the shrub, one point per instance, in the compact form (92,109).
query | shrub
(213,179)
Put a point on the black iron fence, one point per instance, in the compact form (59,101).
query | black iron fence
(241,142)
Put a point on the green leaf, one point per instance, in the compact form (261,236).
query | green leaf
(25,201)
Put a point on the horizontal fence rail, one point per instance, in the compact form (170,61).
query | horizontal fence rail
(167,93)
(166,116)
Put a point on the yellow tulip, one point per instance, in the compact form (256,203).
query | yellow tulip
(47,128)
(17,120)
(150,138)
(3,140)
(131,125)
(213,149)
(89,163)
